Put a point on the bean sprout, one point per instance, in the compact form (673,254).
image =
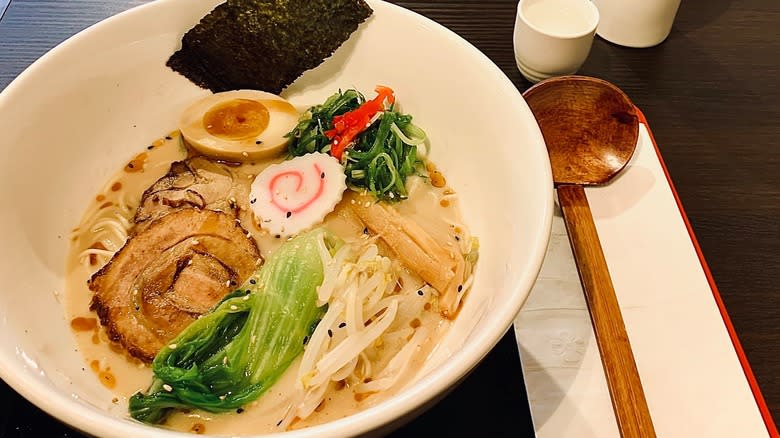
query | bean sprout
(365,293)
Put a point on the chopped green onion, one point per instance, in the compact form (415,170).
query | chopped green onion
(381,157)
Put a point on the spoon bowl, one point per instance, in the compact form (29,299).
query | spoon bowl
(590,127)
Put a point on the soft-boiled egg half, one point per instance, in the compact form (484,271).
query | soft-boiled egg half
(239,125)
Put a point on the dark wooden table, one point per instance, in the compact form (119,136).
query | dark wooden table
(711,94)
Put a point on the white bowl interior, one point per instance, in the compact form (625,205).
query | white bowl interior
(84,109)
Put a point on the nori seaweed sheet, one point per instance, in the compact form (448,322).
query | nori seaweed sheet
(264,44)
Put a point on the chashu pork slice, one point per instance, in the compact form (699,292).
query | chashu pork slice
(197,182)
(168,274)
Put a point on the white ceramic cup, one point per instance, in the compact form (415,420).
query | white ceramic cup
(636,23)
(553,37)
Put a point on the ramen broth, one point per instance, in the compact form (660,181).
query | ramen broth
(433,206)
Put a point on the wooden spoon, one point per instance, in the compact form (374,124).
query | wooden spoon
(591,129)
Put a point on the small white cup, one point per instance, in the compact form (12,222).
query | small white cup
(553,37)
(636,23)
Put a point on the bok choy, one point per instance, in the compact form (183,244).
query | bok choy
(230,356)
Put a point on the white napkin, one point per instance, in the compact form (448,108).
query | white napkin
(693,381)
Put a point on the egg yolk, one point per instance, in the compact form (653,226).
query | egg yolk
(237,119)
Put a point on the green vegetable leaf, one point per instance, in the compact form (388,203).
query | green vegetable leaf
(309,135)
(382,156)
(230,356)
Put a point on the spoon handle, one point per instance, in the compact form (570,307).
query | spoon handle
(625,387)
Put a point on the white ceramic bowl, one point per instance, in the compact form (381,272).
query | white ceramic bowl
(86,107)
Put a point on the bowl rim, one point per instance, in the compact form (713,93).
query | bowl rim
(93,421)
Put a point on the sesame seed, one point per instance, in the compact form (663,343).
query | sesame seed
(168,137)
(367,204)
(246,298)
(253,201)
(365,230)
(234,307)
(245,154)
(240,411)
(420,292)
(460,288)
(222,397)
(278,236)
(167,387)
(194,242)
(342,325)
(280,422)
(252,281)
(258,142)
(330,333)
(150,147)
(305,340)
(224,360)
(172,346)
(289,213)
(322,175)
